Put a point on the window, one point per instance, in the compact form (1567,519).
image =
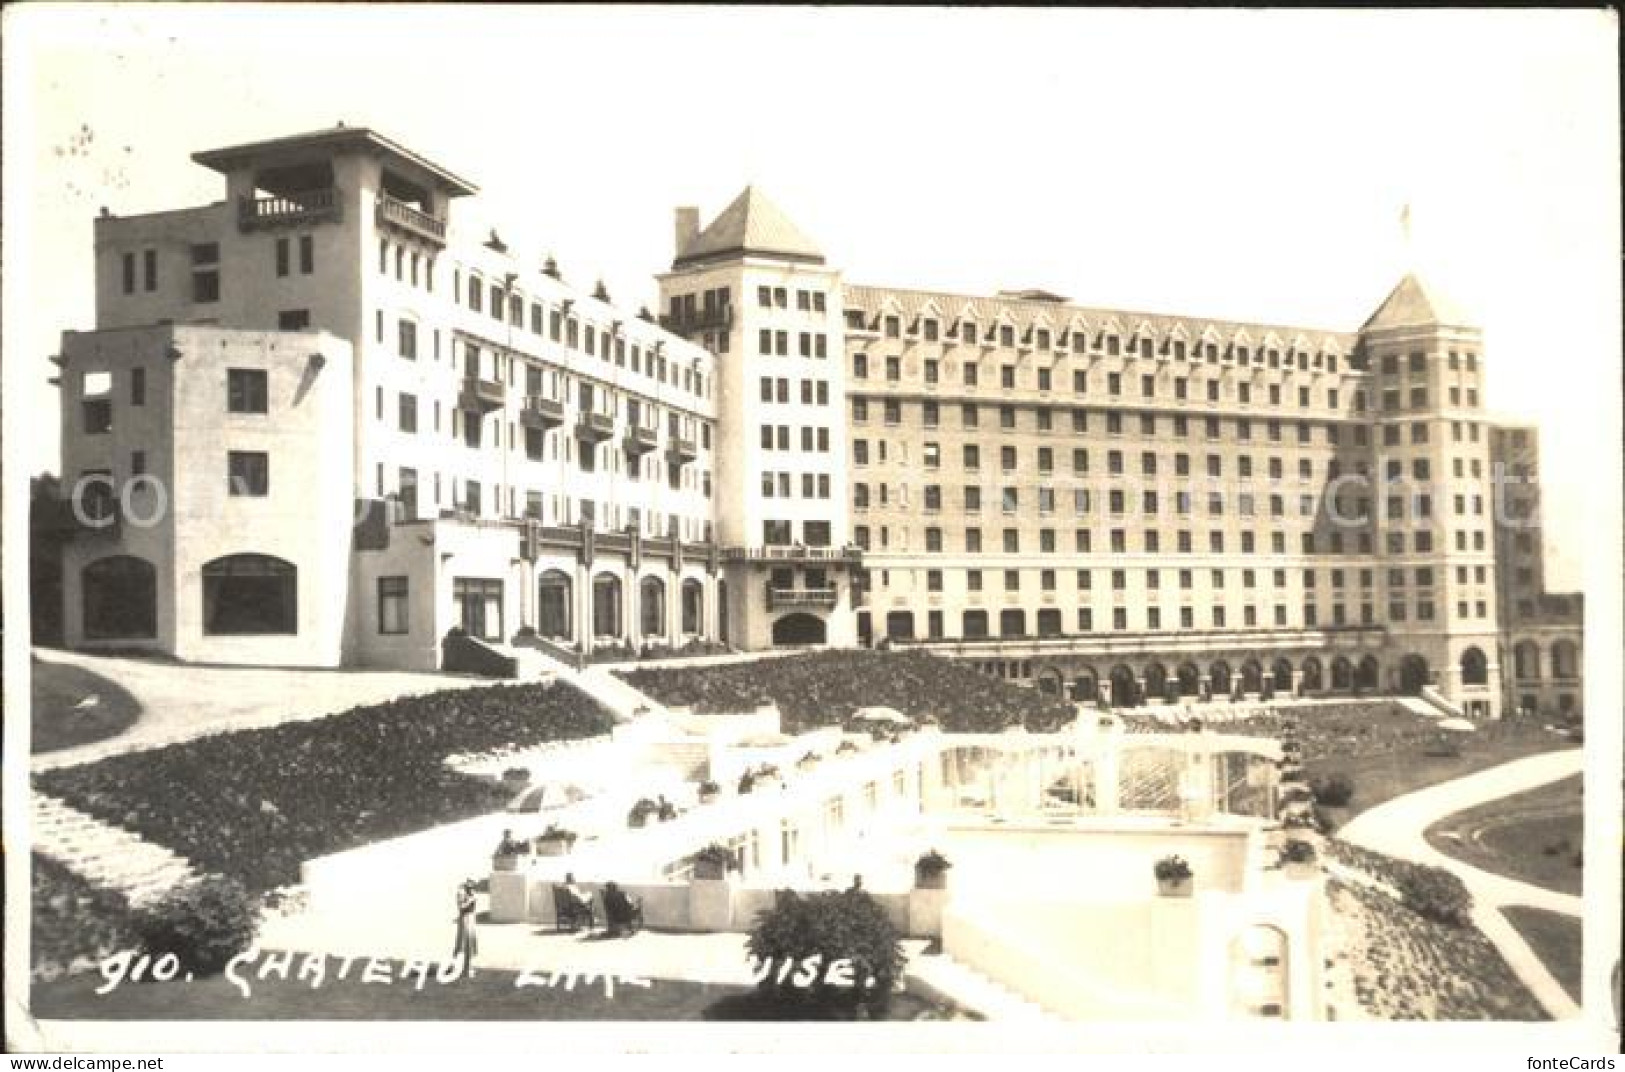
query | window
(248,472)
(392,605)
(408,412)
(250,594)
(408,340)
(293,320)
(246,391)
(307,255)
(282,251)
(129,273)
(149,265)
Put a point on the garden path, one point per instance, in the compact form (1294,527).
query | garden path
(1397,828)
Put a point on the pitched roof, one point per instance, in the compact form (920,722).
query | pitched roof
(752,224)
(1413,303)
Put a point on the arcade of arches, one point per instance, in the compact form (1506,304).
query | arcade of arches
(1130,684)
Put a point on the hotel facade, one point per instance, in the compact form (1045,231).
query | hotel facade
(317,423)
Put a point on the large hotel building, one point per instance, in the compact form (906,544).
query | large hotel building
(319,424)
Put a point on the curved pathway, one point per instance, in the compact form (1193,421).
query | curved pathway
(1398,828)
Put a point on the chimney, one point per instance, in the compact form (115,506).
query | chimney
(688,227)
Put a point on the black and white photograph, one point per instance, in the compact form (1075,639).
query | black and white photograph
(744,528)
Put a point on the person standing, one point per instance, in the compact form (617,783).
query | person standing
(468,937)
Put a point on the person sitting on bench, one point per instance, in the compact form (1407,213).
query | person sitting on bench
(621,911)
(572,906)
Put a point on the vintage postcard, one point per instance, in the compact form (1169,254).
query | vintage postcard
(747,528)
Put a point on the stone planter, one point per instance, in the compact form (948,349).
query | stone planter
(1175,887)
(553,846)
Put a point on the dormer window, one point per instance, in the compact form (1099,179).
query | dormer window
(1042,339)
(1007,335)
(929,329)
(893,327)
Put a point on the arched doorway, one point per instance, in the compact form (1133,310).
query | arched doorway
(120,598)
(1312,678)
(1281,677)
(553,605)
(1342,674)
(1526,661)
(1252,676)
(1086,687)
(1475,668)
(606,605)
(1190,680)
(652,607)
(1156,683)
(1219,675)
(251,595)
(794,630)
(1125,689)
(1049,681)
(1012,622)
(1565,660)
(1368,673)
(1413,674)
(693,607)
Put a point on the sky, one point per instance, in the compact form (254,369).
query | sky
(1243,165)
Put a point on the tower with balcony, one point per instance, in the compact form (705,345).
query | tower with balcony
(758,293)
(1433,498)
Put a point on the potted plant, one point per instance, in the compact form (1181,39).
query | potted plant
(709,791)
(644,810)
(506,858)
(555,841)
(747,782)
(1298,859)
(767,772)
(1174,878)
(713,862)
(808,761)
(845,748)
(931,871)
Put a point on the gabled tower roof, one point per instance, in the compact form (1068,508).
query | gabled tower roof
(1413,303)
(752,224)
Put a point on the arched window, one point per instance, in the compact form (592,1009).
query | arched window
(652,606)
(606,605)
(1012,622)
(553,605)
(1311,675)
(120,599)
(693,606)
(250,595)
(1156,683)
(1526,661)
(797,629)
(1475,668)
(1125,689)
(1565,660)
(1190,680)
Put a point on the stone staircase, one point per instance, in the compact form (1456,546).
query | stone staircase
(945,978)
(103,854)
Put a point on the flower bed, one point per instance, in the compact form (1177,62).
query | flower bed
(74,923)
(1430,892)
(1406,967)
(255,804)
(824,688)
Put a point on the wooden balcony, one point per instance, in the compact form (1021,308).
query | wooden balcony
(801,599)
(595,427)
(640,441)
(481,396)
(289,210)
(540,412)
(403,217)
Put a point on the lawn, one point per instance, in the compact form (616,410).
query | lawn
(73,706)
(488,995)
(1555,938)
(1535,836)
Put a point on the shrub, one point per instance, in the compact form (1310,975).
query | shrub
(204,923)
(708,786)
(642,812)
(1172,869)
(850,926)
(1434,893)
(1297,851)
(1334,791)
(932,862)
(555,832)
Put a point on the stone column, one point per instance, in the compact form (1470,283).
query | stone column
(1297,682)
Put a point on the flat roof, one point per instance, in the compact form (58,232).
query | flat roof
(233,156)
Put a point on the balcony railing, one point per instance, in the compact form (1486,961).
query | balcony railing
(641,440)
(482,396)
(595,427)
(792,552)
(804,598)
(717,318)
(541,412)
(399,214)
(683,449)
(306,206)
